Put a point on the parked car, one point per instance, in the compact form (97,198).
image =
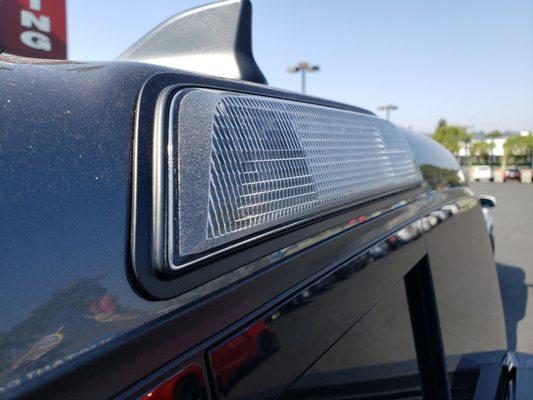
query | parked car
(481,173)
(512,174)
(174,228)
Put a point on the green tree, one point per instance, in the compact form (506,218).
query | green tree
(451,136)
(517,146)
(442,122)
(482,149)
(494,134)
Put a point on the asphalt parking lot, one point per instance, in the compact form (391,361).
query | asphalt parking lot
(513,230)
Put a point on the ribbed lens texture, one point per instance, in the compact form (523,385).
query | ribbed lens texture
(275,160)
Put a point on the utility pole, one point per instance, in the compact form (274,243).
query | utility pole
(303,67)
(388,108)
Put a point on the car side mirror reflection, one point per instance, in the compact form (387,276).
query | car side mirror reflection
(487,201)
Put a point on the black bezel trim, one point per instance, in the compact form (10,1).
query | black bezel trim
(151,275)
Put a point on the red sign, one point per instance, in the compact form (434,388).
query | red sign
(34,28)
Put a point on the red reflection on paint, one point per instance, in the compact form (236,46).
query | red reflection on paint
(188,384)
(104,304)
(235,358)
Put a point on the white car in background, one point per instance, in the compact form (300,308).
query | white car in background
(481,173)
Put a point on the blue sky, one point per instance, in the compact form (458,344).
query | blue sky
(470,62)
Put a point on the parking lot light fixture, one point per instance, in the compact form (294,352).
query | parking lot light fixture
(388,108)
(303,67)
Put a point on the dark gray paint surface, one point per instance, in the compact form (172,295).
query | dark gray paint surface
(66,137)
(66,134)
(377,356)
(65,177)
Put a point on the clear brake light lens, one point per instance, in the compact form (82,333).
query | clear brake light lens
(240,164)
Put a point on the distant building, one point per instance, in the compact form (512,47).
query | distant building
(467,156)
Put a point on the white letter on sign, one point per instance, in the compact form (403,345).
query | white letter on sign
(36,40)
(29,19)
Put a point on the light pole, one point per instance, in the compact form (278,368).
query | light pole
(303,67)
(388,108)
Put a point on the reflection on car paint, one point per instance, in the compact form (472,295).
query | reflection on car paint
(375,359)
(53,364)
(108,318)
(87,300)
(238,362)
(243,353)
(104,308)
(29,351)
(442,178)
(189,383)
(103,311)
(267,261)
(93,305)
(238,357)
(41,347)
